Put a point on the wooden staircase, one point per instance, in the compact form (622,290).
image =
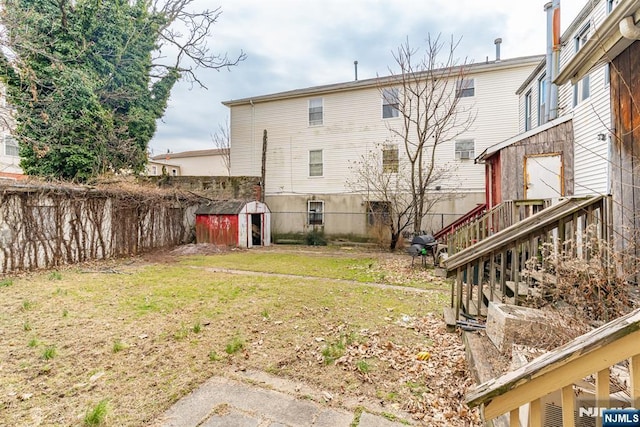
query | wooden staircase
(492,269)
(520,394)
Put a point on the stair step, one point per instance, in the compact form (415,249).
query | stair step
(472,310)
(541,277)
(497,296)
(523,288)
(450,318)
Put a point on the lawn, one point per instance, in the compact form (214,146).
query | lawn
(118,342)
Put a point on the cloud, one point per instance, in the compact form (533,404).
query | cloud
(292,44)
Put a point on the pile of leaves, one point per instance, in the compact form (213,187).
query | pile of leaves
(430,383)
(588,282)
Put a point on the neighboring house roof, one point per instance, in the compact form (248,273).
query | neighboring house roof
(194,153)
(490,151)
(159,163)
(375,82)
(541,66)
(606,43)
(221,207)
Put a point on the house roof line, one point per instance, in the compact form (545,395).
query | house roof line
(490,151)
(605,44)
(194,153)
(474,68)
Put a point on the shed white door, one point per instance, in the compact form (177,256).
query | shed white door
(543,177)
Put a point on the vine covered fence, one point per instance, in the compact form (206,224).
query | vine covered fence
(44,225)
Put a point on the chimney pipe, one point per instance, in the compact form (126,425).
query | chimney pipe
(355,66)
(497,42)
(552,10)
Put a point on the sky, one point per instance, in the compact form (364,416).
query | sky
(294,44)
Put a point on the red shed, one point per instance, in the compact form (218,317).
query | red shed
(234,223)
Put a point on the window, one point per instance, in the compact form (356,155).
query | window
(154,170)
(315,112)
(581,90)
(315,212)
(378,213)
(542,98)
(390,103)
(174,172)
(11,147)
(609,5)
(465,149)
(315,163)
(527,111)
(582,37)
(465,88)
(390,159)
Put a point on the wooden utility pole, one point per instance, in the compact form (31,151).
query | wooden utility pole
(264,164)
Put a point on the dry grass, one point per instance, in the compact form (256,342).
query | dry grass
(131,338)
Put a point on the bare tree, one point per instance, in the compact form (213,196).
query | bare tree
(183,41)
(385,181)
(222,141)
(427,93)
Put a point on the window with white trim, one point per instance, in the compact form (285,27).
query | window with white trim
(527,111)
(390,103)
(542,98)
(315,112)
(465,88)
(581,90)
(315,212)
(11,147)
(315,163)
(465,149)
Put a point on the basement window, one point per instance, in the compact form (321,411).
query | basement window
(315,212)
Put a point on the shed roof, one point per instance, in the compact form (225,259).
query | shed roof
(221,207)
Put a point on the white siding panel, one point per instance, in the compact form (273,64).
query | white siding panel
(353,125)
(591,118)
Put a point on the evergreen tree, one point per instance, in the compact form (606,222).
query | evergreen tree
(82,78)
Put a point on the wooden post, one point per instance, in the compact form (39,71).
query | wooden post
(602,392)
(568,406)
(459,292)
(514,418)
(492,274)
(535,413)
(264,165)
(469,287)
(634,373)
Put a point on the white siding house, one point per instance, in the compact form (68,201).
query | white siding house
(190,163)
(316,134)
(583,168)
(589,102)
(9,156)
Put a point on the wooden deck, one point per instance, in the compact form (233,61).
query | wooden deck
(492,269)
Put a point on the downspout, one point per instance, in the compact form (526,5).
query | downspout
(555,59)
(253,134)
(548,8)
(629,29)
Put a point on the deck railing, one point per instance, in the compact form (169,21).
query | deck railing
(491,269)
(593,353)
(462,235)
